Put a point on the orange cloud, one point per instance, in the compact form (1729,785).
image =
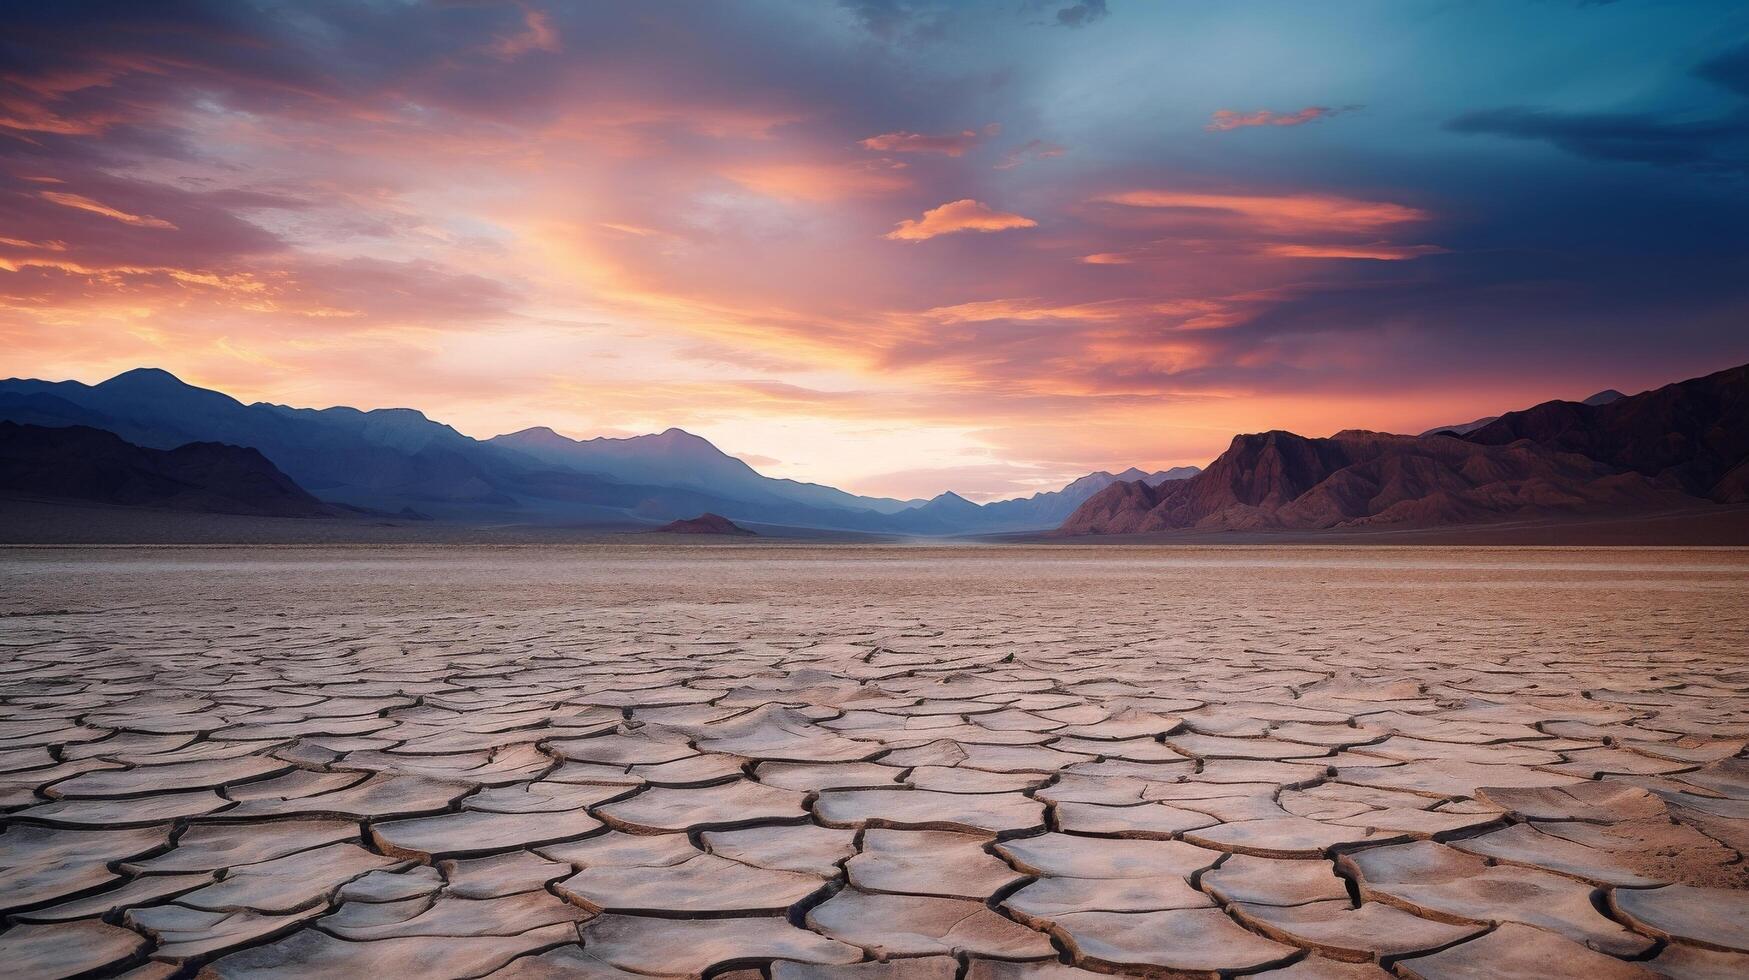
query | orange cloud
(46,246)
(1103,310)
(1379,251)
(83,203)
(1027,309)
(952,144)
(955,216)
(1226,119)
(1278,212)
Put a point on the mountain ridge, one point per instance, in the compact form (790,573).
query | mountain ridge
(1681,445)
(1603,397)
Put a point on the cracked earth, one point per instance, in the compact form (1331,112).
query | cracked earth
(797,762)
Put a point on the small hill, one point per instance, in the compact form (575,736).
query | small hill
(705,524)
(81,463)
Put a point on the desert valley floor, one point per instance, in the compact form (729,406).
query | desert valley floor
(874,761)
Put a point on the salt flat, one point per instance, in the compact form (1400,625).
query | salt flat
(688,758)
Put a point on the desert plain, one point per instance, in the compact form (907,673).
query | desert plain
(632,758)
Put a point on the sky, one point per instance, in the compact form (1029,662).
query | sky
(898,246)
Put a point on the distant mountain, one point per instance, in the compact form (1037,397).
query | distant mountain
(1603,397)
(679,458)
(85,464)
(398,459)
(1460,428)
(705,524)
(1675,447)
(1051,508)
(386,459)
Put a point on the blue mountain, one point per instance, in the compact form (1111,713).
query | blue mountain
(397,458)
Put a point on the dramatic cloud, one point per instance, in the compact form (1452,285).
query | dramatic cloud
(618,218)
(952,144)
(957,216)
(1226,119)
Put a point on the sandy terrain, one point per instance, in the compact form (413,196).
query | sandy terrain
(662,758)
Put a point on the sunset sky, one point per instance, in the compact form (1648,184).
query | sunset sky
(898,246)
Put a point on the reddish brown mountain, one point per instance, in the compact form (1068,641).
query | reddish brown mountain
(705,524)
(1692,433)
(1680,446)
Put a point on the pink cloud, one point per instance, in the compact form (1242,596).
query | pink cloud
(1031,150)
(952,144)
(1277,212)
(955,216)
(1224,120)
(1380,251)
(538,35)
(83,203)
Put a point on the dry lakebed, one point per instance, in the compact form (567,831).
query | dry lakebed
(644,758)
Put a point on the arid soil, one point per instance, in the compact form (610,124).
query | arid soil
(667,758)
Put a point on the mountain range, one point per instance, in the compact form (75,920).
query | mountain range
(398,460)
(1679,447)
(145,438)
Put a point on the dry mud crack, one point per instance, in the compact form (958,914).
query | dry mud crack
(797,763)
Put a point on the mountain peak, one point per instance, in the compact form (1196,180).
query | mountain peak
(1098,479)
(1604,397)
(157,385)
(673,435)
(952,503)
(400,414)
(536,437)
(144,376)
